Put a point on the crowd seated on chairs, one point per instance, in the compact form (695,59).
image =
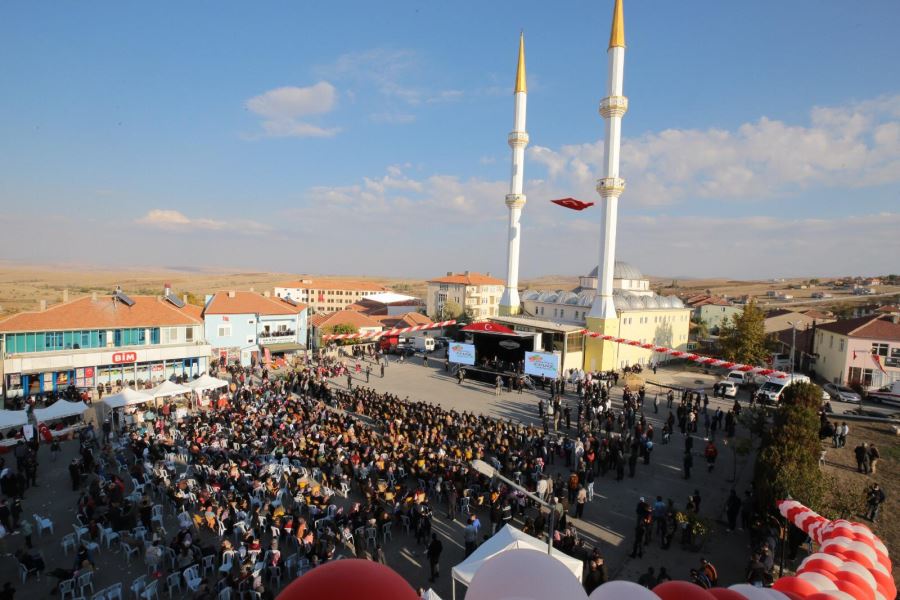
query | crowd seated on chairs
(284,474)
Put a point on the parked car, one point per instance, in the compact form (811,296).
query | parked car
(842,393)
(729,388)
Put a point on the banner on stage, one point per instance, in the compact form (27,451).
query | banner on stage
(463,354)
(542,363)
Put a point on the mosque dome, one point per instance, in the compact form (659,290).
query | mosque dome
(622,270)
(530,295)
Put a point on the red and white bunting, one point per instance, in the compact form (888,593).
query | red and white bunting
(370,335)
(706,361)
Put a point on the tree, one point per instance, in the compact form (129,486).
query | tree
(788,462)
(194,299)
(451,310)
(342,328)
(743,336)
(701,330)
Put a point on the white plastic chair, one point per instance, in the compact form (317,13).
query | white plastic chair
(137,586)
(129,551)
(151,590)
(209,564)
(108,535)
(192,578)
(156,515)
(372,536)
(67,588)
(85,580)
(68,541)
(42,524)
(114,592)
(174,581)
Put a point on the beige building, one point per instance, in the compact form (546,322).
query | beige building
(476,293)
(781,319)
(864,351)
(643,315)
(327,295)
(713,310)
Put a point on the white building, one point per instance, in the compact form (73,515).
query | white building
(327,295)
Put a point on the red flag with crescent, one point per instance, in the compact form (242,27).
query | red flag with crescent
(44,432)
(572,203)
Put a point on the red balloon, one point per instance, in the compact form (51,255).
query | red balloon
(795,585)
(839,532)
(856,580)
(858,592)
(725,594)
(349,578)
(829,574)
(885,583)
(793,512)
(820,596)
(682,590)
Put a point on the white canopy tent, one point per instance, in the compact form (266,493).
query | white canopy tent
(430,594)
(167,388)
(12,418)
(206,382)
(127,397)
(508,538)
(60,410)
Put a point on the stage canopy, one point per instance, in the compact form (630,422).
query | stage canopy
(127,397)
(60,410)
(488,327)
(507,539)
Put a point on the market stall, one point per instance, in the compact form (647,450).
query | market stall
(62,418)
(11,423)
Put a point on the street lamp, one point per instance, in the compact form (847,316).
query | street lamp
(489,471)
(793,345)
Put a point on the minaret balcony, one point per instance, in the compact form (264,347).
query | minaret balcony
(515,200)
(613,106)
(610,187)
(518,138)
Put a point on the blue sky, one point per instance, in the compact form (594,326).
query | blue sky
(762,138)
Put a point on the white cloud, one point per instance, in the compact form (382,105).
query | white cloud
(849,146)
(396,76)
(282,108)
(173,220)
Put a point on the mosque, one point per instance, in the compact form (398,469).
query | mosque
(614,298)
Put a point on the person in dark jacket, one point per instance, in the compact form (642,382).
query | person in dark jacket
(434,556)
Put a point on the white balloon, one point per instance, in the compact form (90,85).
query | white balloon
(864,548)
(523,574)
(776,595)
(860,529)
(822,583)
(620,590)
(858,569)
(879,545)
(822,556)
(751,592)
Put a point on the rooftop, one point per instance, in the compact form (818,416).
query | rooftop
(345,317)
(390,298)
(468,278)
(332,284)
(236,303)
(537,324)
(871,328)
(104,312)
(410,319)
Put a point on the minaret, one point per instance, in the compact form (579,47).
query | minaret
(515,199)
(603,312)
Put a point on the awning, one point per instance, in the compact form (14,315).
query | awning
(488,327)
(167,389)
(127,397)
(284,347)
(60,410)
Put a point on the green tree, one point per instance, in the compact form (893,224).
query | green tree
(842,311)
(452,310)
(743,336)
(701,330)
(788,462)
(342,328)
(194,299)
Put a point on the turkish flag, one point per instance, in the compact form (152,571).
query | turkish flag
(572,203)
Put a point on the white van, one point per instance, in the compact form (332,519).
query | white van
(770,392)
(425,344)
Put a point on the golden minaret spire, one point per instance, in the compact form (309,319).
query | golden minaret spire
(617,34)
(520,71)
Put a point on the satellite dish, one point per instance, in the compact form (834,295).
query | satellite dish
(509,344)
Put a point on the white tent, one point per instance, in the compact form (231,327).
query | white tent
(12,418)
(167,388)
(127,397)
(430,594)
(206,382)
(508,538)
(60,410)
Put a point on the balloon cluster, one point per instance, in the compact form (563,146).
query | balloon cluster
(851,562)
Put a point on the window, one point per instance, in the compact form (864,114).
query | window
(154,335)
(880,349)
(830,341)
(224,331)
(189,334)
(841,345)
